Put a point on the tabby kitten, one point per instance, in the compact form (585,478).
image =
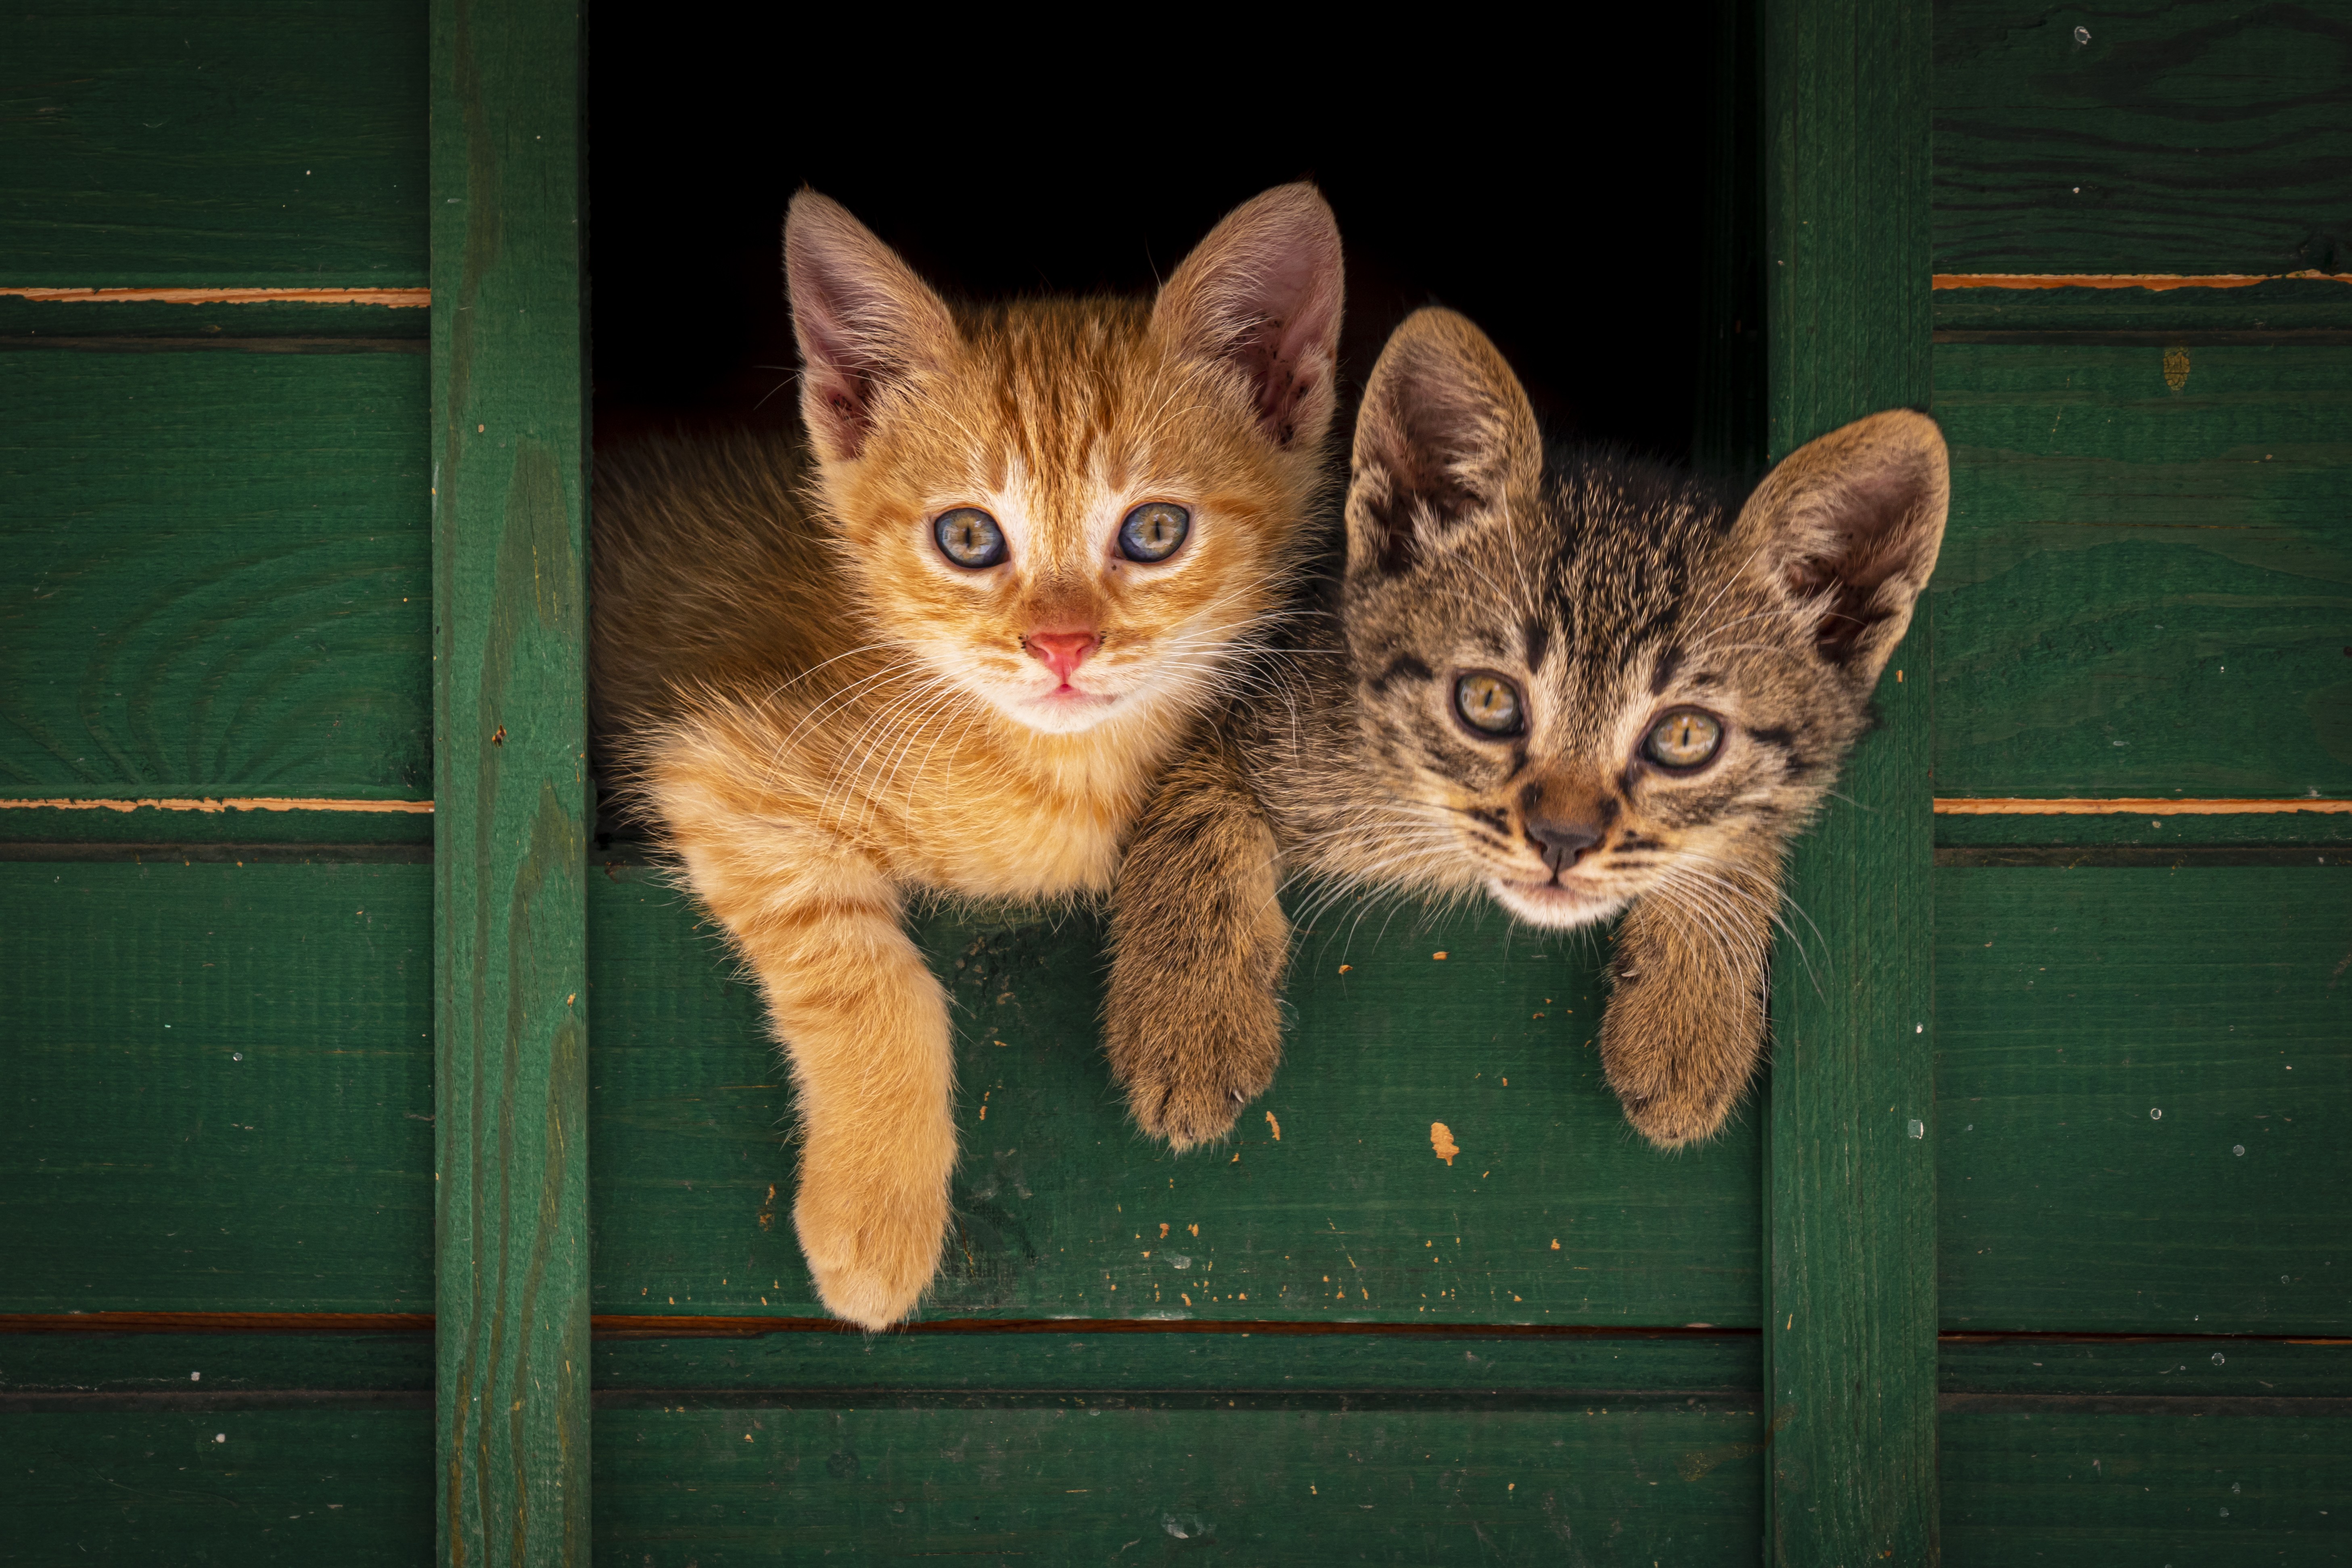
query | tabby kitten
(947,644)
(1581,683)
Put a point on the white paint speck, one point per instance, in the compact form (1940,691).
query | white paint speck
(2238,1149)
(2217,1357)
(1918,1127)
(220,1437)
(196,1377)
(2154,1114)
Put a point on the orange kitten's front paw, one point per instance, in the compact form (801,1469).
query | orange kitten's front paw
(1678,1055)
(871,1248)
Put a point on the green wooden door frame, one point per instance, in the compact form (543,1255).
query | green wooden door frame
(1849,1315)
(510,479)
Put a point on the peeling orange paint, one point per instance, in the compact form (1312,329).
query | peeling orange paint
(2154,281)
(228,803)
(2121,807)
(1441,1139)
(395,298)
(1270,1121)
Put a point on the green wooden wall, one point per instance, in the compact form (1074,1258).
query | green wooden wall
(2096,1307)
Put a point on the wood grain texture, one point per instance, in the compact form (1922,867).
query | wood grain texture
(1075,1359)
(222,561)
(1670,1480)
(2147,588)
(167,143)
(2192,136)
(2073,1487)
(224,1364)
(2108,1041)
(2268,830)
(215,1089)
(2213,1367)
(292,1487)
(511,792)
(1060,1203)
(1849,1200)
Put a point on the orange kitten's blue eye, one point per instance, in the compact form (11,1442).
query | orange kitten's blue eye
(969,537)
(1683,739)
(1488,703)
(1154,531)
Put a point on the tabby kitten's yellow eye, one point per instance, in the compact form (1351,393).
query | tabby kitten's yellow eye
(969,537)
(1683,739)
(1154,531)
(1488,703)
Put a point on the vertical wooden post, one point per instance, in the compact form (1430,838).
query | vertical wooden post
(1849,1208)
(509,477)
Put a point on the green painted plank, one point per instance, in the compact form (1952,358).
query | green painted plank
(2147,589)
(221,567)
(1077,1358)
(2107,1043)
(2208,1367)
(2310,309)
(2197,137)
(1060,1205)
(512,802)
(2071,1487)
(271,144)
(134,326)
(2313,829)
(297,1486)
(1850,1197)
(1664,1481)
(116,828)
(195,1366)
(216,1089)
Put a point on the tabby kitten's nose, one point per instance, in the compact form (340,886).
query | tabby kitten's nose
(1562,844)
(1062,652)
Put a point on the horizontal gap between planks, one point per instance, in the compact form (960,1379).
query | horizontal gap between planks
(2320,1405)
(194,1402)
(2093,857)
(155,345)
(226,803)
(222,854)
(609,1326)
(2134,807)
(2139,337)
(390,299)
(2154,281)
(618,1325)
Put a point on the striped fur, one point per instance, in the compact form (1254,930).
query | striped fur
(1608,594)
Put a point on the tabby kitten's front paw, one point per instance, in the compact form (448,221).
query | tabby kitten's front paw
(1679,1053)
(872,1247)
(1187,1073)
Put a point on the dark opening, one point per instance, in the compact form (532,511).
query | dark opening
(1563,182)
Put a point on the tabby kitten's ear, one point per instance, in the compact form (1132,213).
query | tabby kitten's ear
(1263,294)
(1845,533)
(863,319)
(1446,434)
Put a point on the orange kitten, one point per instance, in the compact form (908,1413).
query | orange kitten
(947,644)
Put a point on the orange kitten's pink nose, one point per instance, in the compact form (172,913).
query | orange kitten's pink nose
(1063,652)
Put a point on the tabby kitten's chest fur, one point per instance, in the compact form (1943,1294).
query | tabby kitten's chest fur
(945,644)
(1582,684)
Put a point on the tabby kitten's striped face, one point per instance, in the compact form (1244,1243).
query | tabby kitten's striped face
(1585,680)
(1073,508)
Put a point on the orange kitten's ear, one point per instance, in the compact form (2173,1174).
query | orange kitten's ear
(1846,530)
(1445,433)
(863,319)
(1263,293)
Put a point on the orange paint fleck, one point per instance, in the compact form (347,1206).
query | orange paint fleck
(1270,1121)
(1439,956)
(231,802)
(1441,1139)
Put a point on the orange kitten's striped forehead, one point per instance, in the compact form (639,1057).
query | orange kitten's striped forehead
(1072,508)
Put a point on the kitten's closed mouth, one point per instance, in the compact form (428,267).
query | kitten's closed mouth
(1552,904)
